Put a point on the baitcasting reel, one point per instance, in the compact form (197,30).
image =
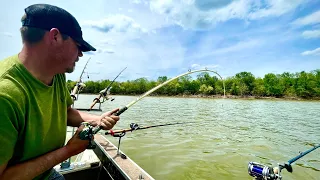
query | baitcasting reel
(87,134)
(262,172)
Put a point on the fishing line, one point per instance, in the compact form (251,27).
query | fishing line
(135,127)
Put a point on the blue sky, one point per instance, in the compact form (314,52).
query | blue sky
(155,38)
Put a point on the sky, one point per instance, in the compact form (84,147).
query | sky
(155,38)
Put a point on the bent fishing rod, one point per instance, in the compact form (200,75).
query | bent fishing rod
(104,93)
(79,85)
(87,132)
(263,172)
(123,109)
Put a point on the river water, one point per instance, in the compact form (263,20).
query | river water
(225,136)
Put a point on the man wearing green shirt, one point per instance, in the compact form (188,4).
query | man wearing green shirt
(35,105)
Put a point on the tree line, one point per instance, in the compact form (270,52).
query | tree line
(302,84)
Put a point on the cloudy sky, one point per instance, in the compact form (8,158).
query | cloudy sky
(155,38)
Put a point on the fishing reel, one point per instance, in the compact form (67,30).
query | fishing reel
(105,94)
(87,134)
(263,172)
(76,90)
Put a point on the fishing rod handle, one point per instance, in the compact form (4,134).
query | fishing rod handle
(121,111)
(98,128)
(75,89)
(74,92)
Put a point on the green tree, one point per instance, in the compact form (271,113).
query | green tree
(288,80)
(259,88)
(306,84)
(204,89)
(219,87)
(245,82)
(272,85)
(302,84)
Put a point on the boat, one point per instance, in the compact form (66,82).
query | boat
(103,162)
(106,161)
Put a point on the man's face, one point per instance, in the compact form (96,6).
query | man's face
(68,54)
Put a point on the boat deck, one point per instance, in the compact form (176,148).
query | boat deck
(103,162)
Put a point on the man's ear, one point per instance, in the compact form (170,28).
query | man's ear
(55,36)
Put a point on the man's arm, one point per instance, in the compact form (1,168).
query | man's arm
(75,118)
(106,120)
(34,167)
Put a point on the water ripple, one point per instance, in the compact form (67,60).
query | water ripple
(226,136)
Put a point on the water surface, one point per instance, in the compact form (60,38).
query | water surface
(226,135)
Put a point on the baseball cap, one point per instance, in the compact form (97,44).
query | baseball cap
(46,16)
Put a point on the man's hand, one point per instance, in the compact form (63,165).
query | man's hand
(76,145)
(34,167)
(108,120)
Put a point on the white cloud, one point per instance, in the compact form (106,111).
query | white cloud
(311,52)
(311,19)
(108,42)
(239,46)
(247,44)
(204,14)
(6,34)
(139,1)
(116,23)
(194,66)
(136,1)
(109,51)
(208,66)
(311,34)
(166,49)
(188,15)
(148,55)
(275,8)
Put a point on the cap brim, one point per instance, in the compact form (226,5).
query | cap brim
(84,46)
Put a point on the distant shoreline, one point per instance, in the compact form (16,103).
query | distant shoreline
(221,97)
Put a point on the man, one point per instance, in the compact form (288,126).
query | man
(35,105)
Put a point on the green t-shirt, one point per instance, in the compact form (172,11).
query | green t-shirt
(33,116)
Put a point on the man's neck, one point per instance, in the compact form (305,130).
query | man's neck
(36,61)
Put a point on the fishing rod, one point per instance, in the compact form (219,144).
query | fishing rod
(79,85)
(104,93)
(134,127)
(76,90)
(123,109)
(262,172)
(85,134)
